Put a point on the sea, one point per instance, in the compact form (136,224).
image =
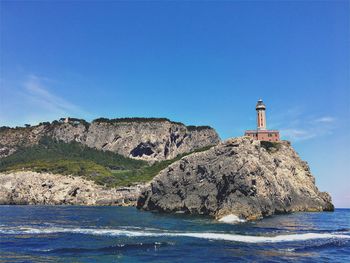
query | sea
(125,234)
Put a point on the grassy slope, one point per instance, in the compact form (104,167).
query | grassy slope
(105,168)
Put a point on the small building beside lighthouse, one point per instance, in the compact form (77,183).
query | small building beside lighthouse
(262,133)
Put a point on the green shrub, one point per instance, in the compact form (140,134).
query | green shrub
(198,128)
(134,119)
(270,146)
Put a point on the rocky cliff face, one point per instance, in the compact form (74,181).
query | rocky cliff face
(154,140)
(30,188)
(238,178)
(13,138)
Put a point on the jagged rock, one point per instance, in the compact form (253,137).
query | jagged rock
(155,140)
(239,177)
(30,188)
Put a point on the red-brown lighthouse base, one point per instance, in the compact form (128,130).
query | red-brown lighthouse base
(264,135)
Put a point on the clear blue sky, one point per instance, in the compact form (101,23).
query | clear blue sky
(202,63)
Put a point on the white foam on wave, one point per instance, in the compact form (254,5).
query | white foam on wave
(231,219)
(201,235)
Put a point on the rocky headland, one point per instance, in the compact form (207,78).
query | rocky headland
(238,179)
(241,179)
(30,188)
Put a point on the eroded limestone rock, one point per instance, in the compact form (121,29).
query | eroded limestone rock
(146,140)
(242,177)
(30,188)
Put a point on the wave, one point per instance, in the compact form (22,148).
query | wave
(344,230)
(231,219)
(200,235)
(335,243)
(115,248)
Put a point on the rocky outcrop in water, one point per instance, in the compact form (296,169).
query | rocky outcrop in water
(146,139)
(30,188)
(241,178)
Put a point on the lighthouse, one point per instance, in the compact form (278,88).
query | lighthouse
(261,116)
(262,133)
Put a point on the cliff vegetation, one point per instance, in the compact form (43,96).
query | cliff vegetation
(73,158)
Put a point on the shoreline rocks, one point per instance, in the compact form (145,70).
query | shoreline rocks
(31,188)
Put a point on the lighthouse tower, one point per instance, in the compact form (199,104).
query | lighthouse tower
(261,116)
(262,133)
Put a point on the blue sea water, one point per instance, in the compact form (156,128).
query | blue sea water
(124,234)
